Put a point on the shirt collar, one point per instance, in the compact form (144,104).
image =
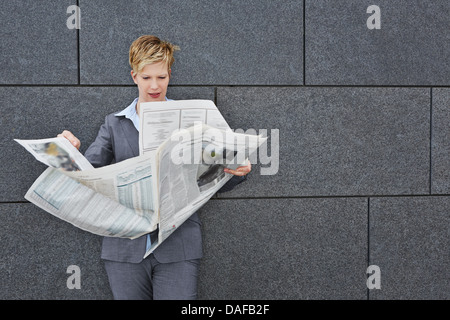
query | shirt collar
(130,111)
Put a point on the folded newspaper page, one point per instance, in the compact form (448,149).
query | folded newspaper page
(158,190)
(158,120)
(71,201)
(189,168)
(115,200)
(56,153)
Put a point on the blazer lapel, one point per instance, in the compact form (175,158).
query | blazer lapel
(131,135)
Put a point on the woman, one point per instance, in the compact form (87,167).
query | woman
(170,272)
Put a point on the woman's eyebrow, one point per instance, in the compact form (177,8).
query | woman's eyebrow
(159,75)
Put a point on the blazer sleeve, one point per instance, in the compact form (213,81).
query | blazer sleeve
(100,153)
(233,182)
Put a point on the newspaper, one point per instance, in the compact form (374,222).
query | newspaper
(56,153)
(158,120)
(189,170)
(113,200)
(159,189)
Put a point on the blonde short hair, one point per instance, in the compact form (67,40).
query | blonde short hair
(150,49)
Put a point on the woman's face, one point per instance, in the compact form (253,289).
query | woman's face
(152,82)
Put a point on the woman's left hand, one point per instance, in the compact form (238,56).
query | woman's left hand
(240,171)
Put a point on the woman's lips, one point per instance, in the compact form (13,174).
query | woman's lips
(154,95)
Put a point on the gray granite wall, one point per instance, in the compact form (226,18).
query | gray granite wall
(362,115)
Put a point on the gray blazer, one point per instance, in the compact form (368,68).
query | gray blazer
(118,140)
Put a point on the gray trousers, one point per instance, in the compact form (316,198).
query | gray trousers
(151,279)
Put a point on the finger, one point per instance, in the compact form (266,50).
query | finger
(69,136)
(247,168)
(241,171)
(235,172)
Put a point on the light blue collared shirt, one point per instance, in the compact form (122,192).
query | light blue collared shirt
(130,113)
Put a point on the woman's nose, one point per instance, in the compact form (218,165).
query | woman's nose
(153,84)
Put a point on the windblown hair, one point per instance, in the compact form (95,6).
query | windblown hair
(150,49)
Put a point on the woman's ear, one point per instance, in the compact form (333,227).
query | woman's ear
(133,75)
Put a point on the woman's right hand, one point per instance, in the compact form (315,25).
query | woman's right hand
(69,136)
